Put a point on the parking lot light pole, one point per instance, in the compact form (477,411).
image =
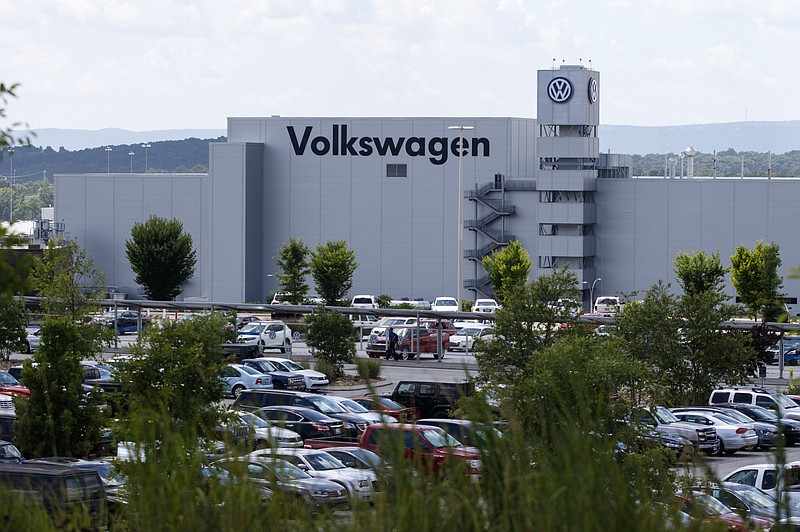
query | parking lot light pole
(460,229)
(108,153)
(145,146)
(591,294)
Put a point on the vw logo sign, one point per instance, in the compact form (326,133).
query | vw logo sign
(592,90)
(271,335)
(559,90)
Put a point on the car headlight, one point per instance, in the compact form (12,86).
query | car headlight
(320,494)
(363,483)
(349,426)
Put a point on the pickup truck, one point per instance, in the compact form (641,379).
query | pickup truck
(703,437)
(424,444)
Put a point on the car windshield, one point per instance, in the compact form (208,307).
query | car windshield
(738,416)
(762,414)
(446,303)
(286,471)
(470,332)
(352,406)
(266,365)
(440,439)
(10,451)
(711,505)
(253,420)
(7,380)
(290,365)
(784,401)
(252,328)
(323,462)
(725,419)
(664,415)
(755,497)
(389,404)
(326,406)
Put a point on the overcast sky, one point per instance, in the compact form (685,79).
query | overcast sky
(167,64)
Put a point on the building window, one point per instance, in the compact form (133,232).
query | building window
(396,170)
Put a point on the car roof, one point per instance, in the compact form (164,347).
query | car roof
(310,412)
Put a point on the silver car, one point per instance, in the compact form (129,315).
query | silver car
(733,435)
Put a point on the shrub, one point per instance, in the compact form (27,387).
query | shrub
(331,334)
(326,367)
(368,368)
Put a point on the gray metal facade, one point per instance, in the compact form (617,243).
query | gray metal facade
(389,187)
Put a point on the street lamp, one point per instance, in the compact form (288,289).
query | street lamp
(591,293)
(145,146)
(108,152)
(11,203)
(131,155)
(460,229)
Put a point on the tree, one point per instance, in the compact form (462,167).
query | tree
(699,272)
(174,378)
(332,266)
(57,419)
(67,281)
(530,320)
(7,137)
(507,268)
(330,333)
(754,275)
(14,265)
(292,260)
(13,319)
(161,256)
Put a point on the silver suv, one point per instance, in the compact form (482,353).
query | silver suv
(770,399)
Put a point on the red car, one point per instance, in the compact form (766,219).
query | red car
(11,386)
(384,405)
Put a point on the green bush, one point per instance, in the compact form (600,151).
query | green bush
(368,369)
(326,367)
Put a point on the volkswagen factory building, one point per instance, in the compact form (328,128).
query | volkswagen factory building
(390,188)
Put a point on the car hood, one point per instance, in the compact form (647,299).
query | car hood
(470,453)
(275,432)
(348,416)
(15,390)
(346,474)
(314,483)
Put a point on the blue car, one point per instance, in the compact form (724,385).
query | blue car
(237,378)
(791,357)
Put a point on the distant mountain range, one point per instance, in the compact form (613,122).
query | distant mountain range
(777,137)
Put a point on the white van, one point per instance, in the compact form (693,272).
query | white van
(364,301)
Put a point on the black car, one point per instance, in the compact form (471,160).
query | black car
(123,320)
(281,380)
(306,422)
(431,399)
(790,427)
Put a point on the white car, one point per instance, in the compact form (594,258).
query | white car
(266,335)
(34,340)
(359,483)
(267,435)
(765,478)
(237,378)
(445,304)
(314,379)
(364,301)
(464,339)
(485,305)
(607,305)
(733,435)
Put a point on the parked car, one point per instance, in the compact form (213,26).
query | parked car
(241,321)
(11,386)
(431,399)
(768,433)
(789,427)
(485,305)
(281,380)
(772,400)
(387,408)
(426,445)
(61,489)
(359,458)
(237,378)
(411,342)
(360,484)
(313,379)
(791,357)
(364,301)
(33,341)
(363,323)
(279,475)
(661,420)
(748,501)
(392,321)
(445,304)
(356,408)
(308,423)
(266,335)
(464,339)
(123,320)
(607,305)
(764,476)
(265,435)
(733,435)
(467,432)
(353,424)
(712,512)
